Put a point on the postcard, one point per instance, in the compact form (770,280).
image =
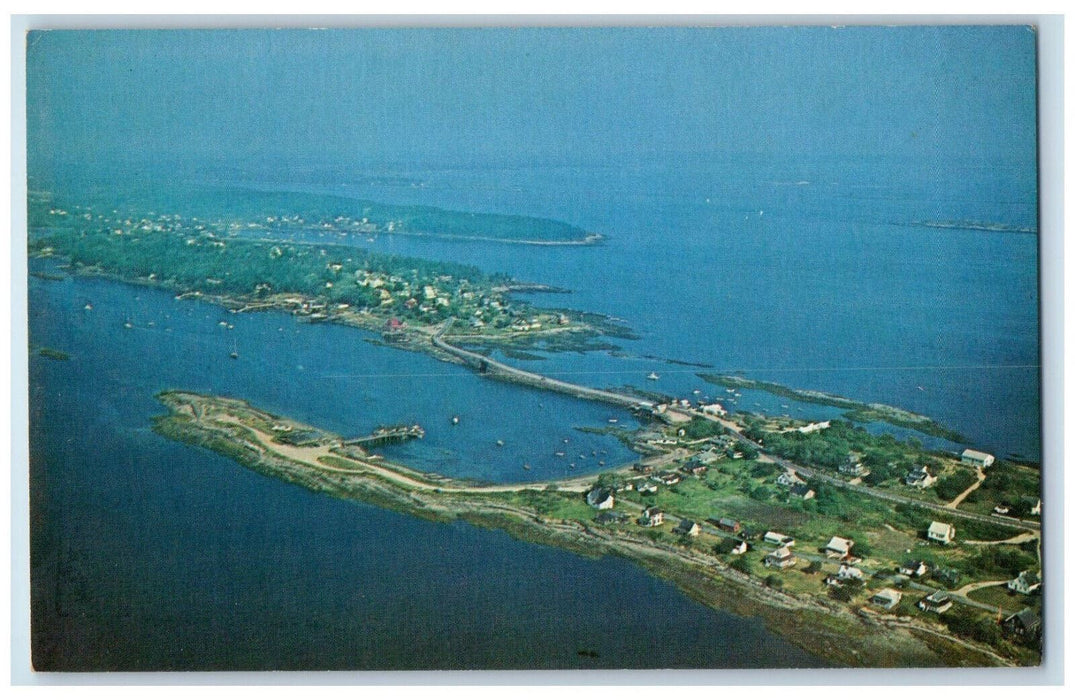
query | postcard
(534,348)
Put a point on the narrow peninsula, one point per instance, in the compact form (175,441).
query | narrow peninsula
(828,571)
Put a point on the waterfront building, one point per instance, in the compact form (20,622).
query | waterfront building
(976,458)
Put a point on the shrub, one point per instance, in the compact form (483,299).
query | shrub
(742,564)
(951,486)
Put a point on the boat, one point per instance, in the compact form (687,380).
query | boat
(526,467)
(559,454)
(653,376)
(499,443)
(613,420)
(455,420)
(88,307)
(128,324)
(234,354)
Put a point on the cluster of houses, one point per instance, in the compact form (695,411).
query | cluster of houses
(781,557)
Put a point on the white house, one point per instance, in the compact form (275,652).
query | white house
(976,458)
(919,477)
(601,499)
(849,573)
(941,532)
(914,568)
(781,558)
(1026,583)
(778,539)
(789,478)
(839,547)
(853,466)
(714,409)
(652,517)
(886,598)
(740,548)
(688,527)
(937,602)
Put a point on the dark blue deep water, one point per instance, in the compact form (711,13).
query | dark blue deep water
(154,555)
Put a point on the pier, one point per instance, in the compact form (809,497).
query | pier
(387,435)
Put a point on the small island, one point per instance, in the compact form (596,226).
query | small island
(858,411)
(862,575)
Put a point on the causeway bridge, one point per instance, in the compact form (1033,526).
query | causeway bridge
(492,368)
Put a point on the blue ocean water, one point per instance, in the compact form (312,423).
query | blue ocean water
(152,555)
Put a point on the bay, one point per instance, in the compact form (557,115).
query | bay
(152,555)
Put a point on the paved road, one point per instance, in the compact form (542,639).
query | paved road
(876,493)
(533,379)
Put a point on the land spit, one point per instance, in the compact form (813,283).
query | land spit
(840,635)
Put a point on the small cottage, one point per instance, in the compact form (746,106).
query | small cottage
(601,499)
(941,532)
(974,458)
(886,598)
(688,528)
(1026,583)
(914,568)
(781,558)
(936,602)
(1023,624)
(919,478)
(838,548)
(651,517)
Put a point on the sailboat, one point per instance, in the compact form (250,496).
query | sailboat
(234,354)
